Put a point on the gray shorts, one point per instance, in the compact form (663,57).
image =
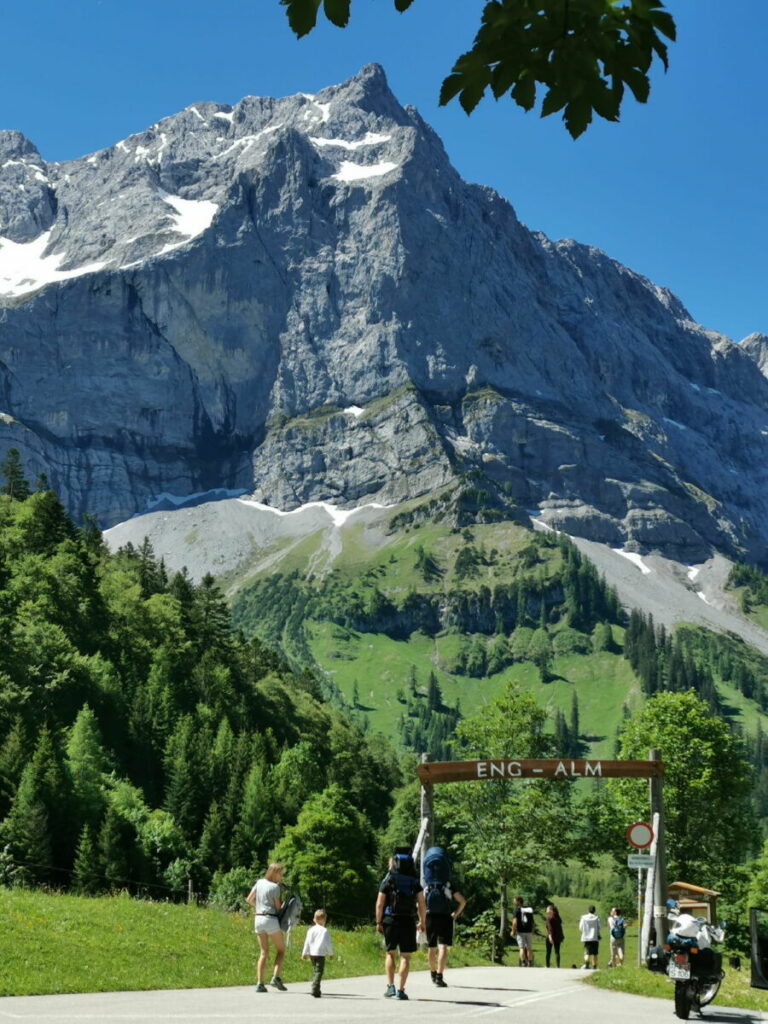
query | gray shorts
(266,924)
(524,939)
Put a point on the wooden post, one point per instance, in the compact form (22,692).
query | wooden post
(660,875)
(427,811)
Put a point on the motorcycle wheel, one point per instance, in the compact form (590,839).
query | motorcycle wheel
(683,999)
(707,991)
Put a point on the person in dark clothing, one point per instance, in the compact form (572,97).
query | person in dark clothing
(399,904)
(522,931)
(555,936)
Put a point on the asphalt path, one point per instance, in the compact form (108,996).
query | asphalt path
(535,996)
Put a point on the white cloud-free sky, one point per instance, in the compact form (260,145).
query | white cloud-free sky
(677,190)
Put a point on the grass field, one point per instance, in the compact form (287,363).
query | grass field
(380,666)
(59,943)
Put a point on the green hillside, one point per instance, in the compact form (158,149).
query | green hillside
(417,625)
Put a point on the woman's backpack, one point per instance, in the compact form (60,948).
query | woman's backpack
(289,913)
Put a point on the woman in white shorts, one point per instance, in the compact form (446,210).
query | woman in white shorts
(265,899)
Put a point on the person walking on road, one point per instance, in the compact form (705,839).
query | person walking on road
(266,900)
(522,931)
(399,906)
(616,929)
(555,935)
(317,946)
(440,901)
(589,932)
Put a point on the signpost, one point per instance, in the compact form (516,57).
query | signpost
(641,861)
(639,835)
(431,772)
(508,769)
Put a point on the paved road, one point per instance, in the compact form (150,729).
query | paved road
(537,996)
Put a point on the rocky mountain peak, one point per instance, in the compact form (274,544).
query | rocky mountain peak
(299,297)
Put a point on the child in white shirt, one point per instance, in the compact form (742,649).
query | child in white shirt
(317,946)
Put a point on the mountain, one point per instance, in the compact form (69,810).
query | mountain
(301,299)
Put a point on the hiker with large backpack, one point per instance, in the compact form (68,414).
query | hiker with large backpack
(399,905)
(443,905)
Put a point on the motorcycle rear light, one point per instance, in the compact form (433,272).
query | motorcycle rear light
(680,958)
(694,949)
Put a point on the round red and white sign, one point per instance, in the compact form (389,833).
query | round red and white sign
(639,835)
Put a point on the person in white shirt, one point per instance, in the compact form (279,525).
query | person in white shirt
(589,932)
(317,946)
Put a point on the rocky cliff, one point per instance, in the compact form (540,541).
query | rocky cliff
(301,298)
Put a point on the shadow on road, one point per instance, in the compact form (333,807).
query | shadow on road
(718,1016)
(460,1002)
(493,988)
(418,999)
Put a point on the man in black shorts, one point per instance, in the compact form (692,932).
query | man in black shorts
(440,937)
(398,905)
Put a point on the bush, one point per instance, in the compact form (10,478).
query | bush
(229,889)
(571,641)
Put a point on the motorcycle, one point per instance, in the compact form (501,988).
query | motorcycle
(689,961)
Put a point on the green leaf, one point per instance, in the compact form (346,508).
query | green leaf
(337,12)
(638,83)
(665,23)
(578,114)
(471,94)
(451,85)
(402,5)
(302,15)
(555,100)
(524,93)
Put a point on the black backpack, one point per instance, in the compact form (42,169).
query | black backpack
(617,931)
(401,895)
(525,921)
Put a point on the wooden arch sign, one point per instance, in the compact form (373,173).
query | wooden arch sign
(432,772)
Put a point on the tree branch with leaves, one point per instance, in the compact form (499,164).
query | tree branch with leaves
(583,54)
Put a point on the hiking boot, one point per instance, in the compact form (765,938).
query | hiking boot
(433,975)
(439,982)
(391,991)
(400,994)
(261,987)
(277,983)
(316,993)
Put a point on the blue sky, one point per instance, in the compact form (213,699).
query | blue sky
(677,191)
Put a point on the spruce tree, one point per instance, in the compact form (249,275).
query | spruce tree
(86,871)
(11,470)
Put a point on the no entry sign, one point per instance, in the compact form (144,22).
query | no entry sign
(639,835)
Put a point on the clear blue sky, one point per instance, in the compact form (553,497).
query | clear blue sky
(677,191)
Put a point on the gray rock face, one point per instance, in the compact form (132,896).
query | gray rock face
(301,297)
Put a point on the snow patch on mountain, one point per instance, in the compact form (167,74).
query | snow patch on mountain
(25,267)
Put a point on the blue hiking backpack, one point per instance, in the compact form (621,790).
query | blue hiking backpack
(436,868)
(401,885)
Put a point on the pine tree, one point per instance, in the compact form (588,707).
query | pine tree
(113,850)
(87,763)
(26,830)
(574,730)
(11,470)
(86,873)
